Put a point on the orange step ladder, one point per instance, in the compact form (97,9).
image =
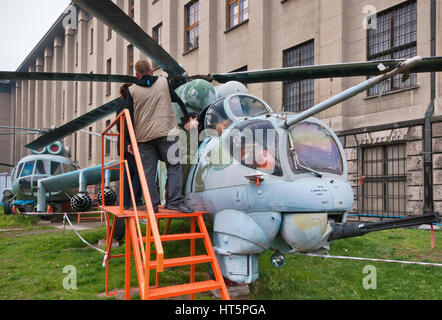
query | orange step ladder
(139,246)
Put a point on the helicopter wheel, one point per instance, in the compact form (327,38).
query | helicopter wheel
(81,202)
(7,207)
(110,197)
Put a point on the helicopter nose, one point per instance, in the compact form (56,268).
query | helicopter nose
(316,194)
(25,184)
(308,195)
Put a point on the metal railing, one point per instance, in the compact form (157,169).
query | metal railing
(142,260)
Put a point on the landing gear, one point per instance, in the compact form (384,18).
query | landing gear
(7,207)
(81,202)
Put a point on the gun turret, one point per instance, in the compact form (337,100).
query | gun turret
(359,229)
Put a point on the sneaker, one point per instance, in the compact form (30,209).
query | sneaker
(181,208)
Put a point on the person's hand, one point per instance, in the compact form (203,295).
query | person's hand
(191,124)
(130,149)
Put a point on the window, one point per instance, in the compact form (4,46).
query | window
(255,144)
(75,146)
(76,54)
(109,33)
(395,37)
(109,71)
(192,25)
(42,167)
(131,9)
(237,12)
(245,106)
(311,146)
(130,60)
(216,118)
(56,168)
(299,95)
(28,168)
(385,179)
(89,155)
(76,98)
(91,91)
(107,148)
(63,105)
(157,33)
(92,41)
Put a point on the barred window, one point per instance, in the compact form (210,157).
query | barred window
(385,179)
(394,37)
(299,95)
(192,25)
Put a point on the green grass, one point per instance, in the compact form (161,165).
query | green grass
(31,267)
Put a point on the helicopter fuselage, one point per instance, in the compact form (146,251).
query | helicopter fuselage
(268,186)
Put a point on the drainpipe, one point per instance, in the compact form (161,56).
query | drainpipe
(428,132)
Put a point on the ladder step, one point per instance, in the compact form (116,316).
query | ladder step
(178,237)
(185,261)
(183,289)
(169,214)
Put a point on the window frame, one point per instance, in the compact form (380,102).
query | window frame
(131,9)
(188,28)
(157,36)
(130,60)
(109,71)
(384,178)
(229,4)
(392,50)
(311,103)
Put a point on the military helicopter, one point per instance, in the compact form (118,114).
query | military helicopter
(45,162)
(49,177)
(281,183)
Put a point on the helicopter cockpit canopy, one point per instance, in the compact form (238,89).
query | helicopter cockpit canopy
(222,113)
(254,144)
(313,147)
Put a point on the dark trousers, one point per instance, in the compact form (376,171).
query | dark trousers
(135,182)
(151,152)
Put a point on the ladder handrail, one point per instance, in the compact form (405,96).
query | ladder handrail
(152,226)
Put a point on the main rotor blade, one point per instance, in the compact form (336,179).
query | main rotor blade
(110,14)
(56,76)
(24,129)
(324,71)
(75,125)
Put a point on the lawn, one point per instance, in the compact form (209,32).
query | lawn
(32,262)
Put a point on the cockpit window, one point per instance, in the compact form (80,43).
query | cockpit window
(28,168)
(216,118)
(246,107)
(255,144)
(20,166)
(313,148)
(42,167)
(66,168)
(56,168)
